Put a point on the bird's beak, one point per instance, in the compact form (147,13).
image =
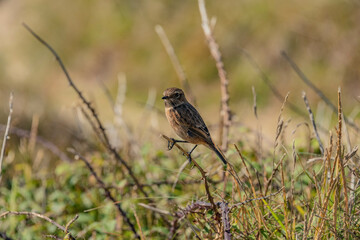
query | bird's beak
(165,97)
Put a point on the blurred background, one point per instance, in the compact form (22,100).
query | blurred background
(115,57)
(99,41)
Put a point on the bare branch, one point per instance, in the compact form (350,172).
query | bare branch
(316,89)
(266,80)
(6,134)
(88,105)
(163,212)
(70,81)
(256,199)
(175,62)
(71,222)
(225,112)
(107,191)
(44,142)
(34,214)
(312,120)
(202,172)
(254,104)
(225,220)
(4,236)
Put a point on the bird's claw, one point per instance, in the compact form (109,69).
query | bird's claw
(171,143)
(188,157)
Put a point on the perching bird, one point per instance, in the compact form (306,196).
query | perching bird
(187,122)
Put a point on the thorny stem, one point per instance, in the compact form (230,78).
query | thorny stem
(107,191)
(225,113)
(202,172)
(6,133)
(91,109)
(38,215)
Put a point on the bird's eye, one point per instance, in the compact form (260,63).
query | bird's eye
(177,95)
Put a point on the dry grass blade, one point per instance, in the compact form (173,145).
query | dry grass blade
(352,153)
(6,134)
(342,168)
(256,199)
(317,90)
(254,104)
(288,231)
(71,222)
(273,89)
(267,185)
(161,211)
(176,63)
(138,223)
(259,137)
(225,112)
(311,115)
(280,122)
(183,166)
(247,171)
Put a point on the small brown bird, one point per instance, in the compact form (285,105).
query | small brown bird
(187,122)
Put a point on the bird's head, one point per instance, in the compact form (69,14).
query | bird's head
(173,97)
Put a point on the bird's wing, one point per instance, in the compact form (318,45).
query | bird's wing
(191,118)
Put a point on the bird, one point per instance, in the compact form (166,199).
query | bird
(187,122)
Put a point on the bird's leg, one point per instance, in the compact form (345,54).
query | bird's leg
(173,141)
(189,153)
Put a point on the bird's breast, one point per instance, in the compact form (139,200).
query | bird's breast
(175,120)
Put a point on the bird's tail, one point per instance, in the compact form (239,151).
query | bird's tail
(219,153)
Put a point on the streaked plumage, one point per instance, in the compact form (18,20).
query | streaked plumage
(186,120)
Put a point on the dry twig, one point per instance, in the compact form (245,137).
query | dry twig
(225,220)
(6,134)
(34,214)
(161,211)
(225,112)
(138,223)
(256,199)
(88,105)
(313,122)
(307,81)
(44,142)
(107,191)
(273,89)
(202,172)
(4,236)
(342,168)
(176,63)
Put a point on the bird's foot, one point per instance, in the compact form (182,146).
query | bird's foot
(188,155)
(189,158)
(171,143)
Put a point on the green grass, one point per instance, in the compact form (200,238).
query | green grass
(308,203)
(276,188)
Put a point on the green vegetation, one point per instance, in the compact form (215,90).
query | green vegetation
(99,168)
